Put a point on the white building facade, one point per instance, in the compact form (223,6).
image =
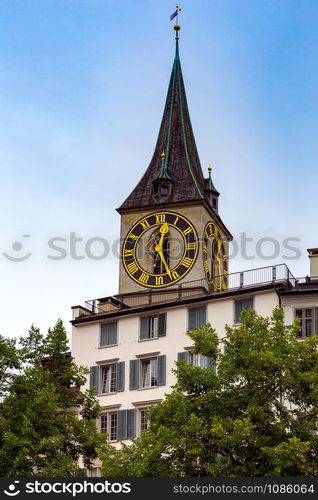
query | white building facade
(173,277)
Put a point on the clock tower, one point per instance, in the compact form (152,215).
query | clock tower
(171,230)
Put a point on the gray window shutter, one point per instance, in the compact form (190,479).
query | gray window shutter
(201,316)
(192,318)
(162,325)
(144,328)
(240,305)
(108,334)
(316,321)
(182,356)
(122,424)
(94,379)
(131,424)
(134,374)
(197,317)
(161,370)
(120,376)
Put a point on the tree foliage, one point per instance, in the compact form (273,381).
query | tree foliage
(40,432)
(256,415)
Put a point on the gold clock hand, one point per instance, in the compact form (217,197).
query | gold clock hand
(163,230)
(164,262)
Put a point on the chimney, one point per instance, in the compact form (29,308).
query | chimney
(313,257)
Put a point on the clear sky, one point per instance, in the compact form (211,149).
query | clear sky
(82,90)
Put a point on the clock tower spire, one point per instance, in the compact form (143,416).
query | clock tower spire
(173,183)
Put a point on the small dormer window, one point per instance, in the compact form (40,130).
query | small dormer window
(214,203)
(164,190)
(161,190)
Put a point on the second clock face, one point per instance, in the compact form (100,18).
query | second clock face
(214,257)
(160,249)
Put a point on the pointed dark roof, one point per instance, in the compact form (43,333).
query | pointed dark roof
(176,139)
(181,165)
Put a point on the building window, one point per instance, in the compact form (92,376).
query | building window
(197,360)
(143,421)
(108,334)
(93,472)
(152,327)
(108,378)
(307,321)
(119,424)
(147,372)
(109,425)
(164,190)
(196,317)
(241,305)
(108,382)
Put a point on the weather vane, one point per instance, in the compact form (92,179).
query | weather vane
(175,14)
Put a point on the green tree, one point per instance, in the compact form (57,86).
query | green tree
(256,415)
(47,424)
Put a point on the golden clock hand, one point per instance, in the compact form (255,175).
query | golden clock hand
(163,230)
(164,262)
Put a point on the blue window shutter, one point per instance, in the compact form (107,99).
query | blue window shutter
(161,370)
(134,374)
(182,356)
(144,328)
(162,325)
(94,379)
(122,424)
(131,424)
(120,376)
(108,334)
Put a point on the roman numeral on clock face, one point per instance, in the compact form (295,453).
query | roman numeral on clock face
(128,253)
(132,267)
(143,278)
(187,231)
(191,246)
(186,262)
(145,224)
(160,218)
(159,280)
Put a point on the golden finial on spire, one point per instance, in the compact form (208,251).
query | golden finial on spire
(210,168)
(163,155)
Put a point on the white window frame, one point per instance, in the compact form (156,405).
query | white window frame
(140,420)
(303,325)
(153,327)
(198,360)
(146,379)
(111,382)
(108,420)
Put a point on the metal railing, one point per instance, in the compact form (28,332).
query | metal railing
(306,279)
(197,288)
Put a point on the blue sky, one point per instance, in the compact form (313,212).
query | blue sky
(82,89)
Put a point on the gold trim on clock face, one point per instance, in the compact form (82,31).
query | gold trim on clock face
(215,259)
(153,268)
